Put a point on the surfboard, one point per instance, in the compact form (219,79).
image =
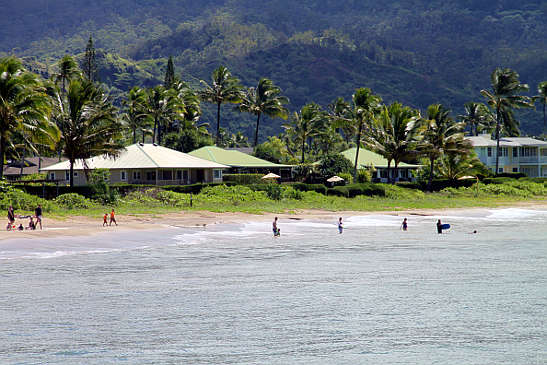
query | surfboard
(445,226)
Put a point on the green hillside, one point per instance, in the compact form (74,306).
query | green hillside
(414,51)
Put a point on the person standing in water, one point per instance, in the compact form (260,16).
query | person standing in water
(340,226)
(439,227)
(274,228)
(38,215)
(404,225)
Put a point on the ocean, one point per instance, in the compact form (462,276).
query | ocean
(233,294)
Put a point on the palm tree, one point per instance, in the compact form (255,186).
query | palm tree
(304,126)
(477,117)
(135,117)
(67,70)
(87,122)
(357,115)
(453,166)
(264,99)
(440,134)
(503,98)
(224,89)
(542,97)
(24,104)
(162,107)
(393,134)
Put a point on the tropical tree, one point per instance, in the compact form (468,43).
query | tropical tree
(542,97)
(440,134)
(264,99)
(162,107)
(394,133)
(135,117)
(505,96)
(225,88)
(90,63)
(169,74)
(88,123)
(477,117)
(24,104)
(337,110)
(454,166)
(357,115)
(304,125)
(67,70)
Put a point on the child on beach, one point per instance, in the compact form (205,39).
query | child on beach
(112,218)
(105,217)
(404,225)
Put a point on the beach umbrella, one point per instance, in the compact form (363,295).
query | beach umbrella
(271,175)
(335,179)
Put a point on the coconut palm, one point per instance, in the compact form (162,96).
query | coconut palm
(134,117)
(303,126)
(67,70)
(453,166)
(477,117)
(225,88)
(357,115)
(24,104)
(162,107)
(337,109)
(542,97)
(393,133)
(440,134)
(87,122)
(264,99)
(505,96)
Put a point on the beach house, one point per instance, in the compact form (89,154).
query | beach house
(144,164)
(368,159)
(240,162)
(516,154)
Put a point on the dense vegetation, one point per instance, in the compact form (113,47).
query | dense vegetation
(416,52)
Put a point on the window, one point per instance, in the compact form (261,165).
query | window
(67,175)
(502,152)
(500,169)
(515,169)
(75,174)
(383,174)
(185,175)
(52,176)
(489,151)
(515,152)
(167,175)
(217,174)
(528,151)
(179,174)
(151,175)
(544,151)
(136,175)
(123,175)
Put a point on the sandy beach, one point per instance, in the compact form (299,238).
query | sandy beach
(83,226)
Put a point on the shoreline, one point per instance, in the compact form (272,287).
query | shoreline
(75,226)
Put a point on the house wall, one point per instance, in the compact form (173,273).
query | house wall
(527,159)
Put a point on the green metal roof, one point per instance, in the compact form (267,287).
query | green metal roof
(232,158)
(368,158)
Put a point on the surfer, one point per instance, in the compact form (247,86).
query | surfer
(404,225)
(340,226)
(439,227)
(275,230)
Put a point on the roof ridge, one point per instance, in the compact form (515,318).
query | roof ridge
(207,149)
(146,154)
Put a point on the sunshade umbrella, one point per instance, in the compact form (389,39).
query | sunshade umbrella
(335,179)
(271,175)
(469,178)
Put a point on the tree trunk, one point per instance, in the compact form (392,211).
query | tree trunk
(2,152)
(154,131)
(218,124)
(303,146)
(396,171)
(71,173)
(389,171)
(256,131)
(544,123)
(430,183)
(497,139)
(357,152)
(134,135)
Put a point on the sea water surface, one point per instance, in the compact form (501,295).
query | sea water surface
(232,294)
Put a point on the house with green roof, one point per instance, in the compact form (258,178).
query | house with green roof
(239,162)
(368,159)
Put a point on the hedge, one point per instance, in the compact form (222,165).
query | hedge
(318,188)
(243,179)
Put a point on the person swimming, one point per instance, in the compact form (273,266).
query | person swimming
(404,225)
(340,226)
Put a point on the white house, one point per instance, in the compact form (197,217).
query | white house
(516,154)
(143,164)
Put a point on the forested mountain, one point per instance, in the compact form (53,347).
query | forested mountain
(414,51)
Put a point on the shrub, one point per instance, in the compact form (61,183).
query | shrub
(172,198)
(99,179)
(348,179)
(318,188)
(364,176)
(224,193)
(290,193)
(243,179)
(274,191)
(146,196)
(73,201)
(21,200)
(333,164)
